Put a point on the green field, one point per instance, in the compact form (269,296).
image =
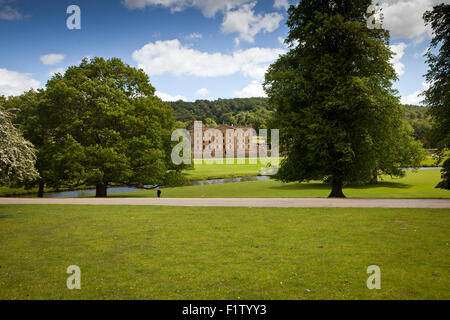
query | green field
(204,171)
(416,184)
(7,191)
(216,171)
(131,252)
(429,161)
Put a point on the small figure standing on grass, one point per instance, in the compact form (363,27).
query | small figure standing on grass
(158,192)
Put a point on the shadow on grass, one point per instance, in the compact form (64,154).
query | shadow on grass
(383,184)
(326,187)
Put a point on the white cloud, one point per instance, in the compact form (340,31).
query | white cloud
(13,83)
(167,97)
(208,7)
(202,92)
(254,62)
(413,98)
(52,58)
(418,55)
(426,85)
(55,71)
(404,18)
(282,40)
(416,97)
(172,57)
(7,12)
(239,16)
(399,50)
(254,89)
(281,4)
(194,35)
(244,22)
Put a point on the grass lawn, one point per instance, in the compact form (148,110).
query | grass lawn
(205,171)
(432,162)
(418,184)
(8,191)
(132,252)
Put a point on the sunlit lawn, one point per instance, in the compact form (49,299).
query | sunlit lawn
(132,252)
(416,184)
(243,168)
(429,161)
(205,171)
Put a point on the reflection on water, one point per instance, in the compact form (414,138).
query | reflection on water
(82,193)
(113,190)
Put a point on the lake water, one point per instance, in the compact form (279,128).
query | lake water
(115,190)
(83,193)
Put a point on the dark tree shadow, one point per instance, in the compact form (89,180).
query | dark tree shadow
(383,184)
(326,187)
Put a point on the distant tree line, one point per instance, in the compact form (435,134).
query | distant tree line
(238,112)
(257,112)
(419,119)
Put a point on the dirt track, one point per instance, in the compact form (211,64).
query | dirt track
(245,202)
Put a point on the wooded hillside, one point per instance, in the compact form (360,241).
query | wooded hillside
(257,111)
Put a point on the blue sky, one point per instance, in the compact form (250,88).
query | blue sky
(191,49)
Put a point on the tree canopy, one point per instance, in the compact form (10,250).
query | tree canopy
(341,120)
(99,124)
(17,155)
(258,112)
(420,121)
(237,112)
(437,97)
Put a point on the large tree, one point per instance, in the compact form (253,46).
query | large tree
(17,155)
(99,124)
(437,97)
(340,119)
(59,158)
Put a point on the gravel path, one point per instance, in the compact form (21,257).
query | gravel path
(244,202)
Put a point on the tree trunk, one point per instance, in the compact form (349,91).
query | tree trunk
(336,189)
(101,190)
(41,190)
(374,179)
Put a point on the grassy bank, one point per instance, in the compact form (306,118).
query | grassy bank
(416,184)
(222,253)
(430,161)
(204,171)
(201,171)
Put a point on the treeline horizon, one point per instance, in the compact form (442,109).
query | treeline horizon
(257,112)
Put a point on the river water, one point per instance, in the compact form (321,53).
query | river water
(115,190)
